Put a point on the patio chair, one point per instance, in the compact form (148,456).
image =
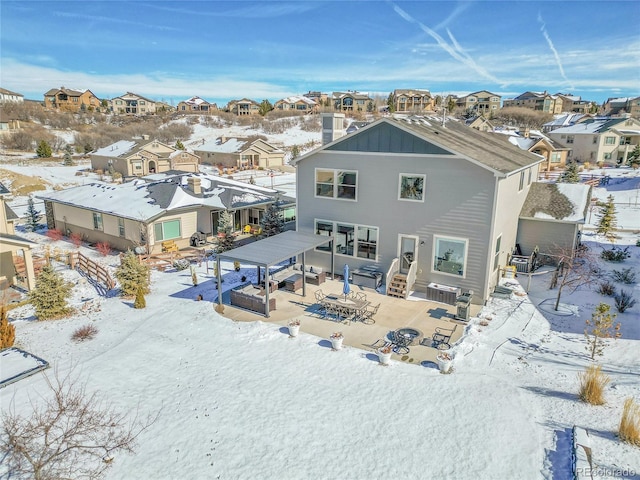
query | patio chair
(361,296)
(332,312)
(367,315)
(319,295)
(246,229)
(321,306)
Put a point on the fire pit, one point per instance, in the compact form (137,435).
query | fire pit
(407,335)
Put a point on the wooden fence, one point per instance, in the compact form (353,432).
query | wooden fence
(93,269)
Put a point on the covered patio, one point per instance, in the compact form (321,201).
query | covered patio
(271,251)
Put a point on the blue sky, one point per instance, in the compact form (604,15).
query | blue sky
(172,50)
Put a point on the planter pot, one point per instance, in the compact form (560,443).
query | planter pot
(444,364)
(293,330)
(336,343)
(383,357)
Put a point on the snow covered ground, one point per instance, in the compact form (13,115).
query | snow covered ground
(243,400)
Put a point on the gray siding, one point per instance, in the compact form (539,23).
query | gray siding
(548,236)
(458,203)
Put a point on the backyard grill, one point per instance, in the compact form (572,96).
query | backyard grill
(198,239)
(463,303)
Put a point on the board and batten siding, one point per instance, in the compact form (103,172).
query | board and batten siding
(458,203)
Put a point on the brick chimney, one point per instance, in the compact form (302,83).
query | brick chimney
(194,185)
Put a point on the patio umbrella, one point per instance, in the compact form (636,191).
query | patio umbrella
(345,287)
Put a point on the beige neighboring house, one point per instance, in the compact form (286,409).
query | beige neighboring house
(480,123)
(9,96)
(554,154)
(539,101)
(351,101)
(196,105)
(480,103)
(321,99)
(139,157)
(572,103)
(616,106)
(12,246)
(242,153)
(413,101)
(608,142)
(70,100)
(9,123)
(243,107)
(132,104)
(297,103)
(161,207)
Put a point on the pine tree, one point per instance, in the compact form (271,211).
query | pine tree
(607,222)
(570,174)
(140,302)
(179,145)
(7,330)
(33,216)
(50,295)
(132,275)
(600,326)
(43,150)
(225,232)
(265,107)
(68,159)
(272,222)
(390,103)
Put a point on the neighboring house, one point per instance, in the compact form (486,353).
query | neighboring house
(70,100)
(413,101)
(479,103)
(9,122)
(566,120)
(616,106)
(170,206)
(139,157)
(243,107)
(242,153)
(321,99)
(480,123)
(196,105)
(539,101)
(425,204)
(351,101)
(552,217)
(297,103)
(132,104)
(12,246)
(572,103)
(9,96)
(600,141)
(162,107)
(555,155)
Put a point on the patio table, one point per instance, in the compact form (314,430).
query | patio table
(352,306)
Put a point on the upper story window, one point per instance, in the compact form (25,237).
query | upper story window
(595,139)
(411,187)
(141,102)
(569,138)
(609,140)
(340,184)
(521,186)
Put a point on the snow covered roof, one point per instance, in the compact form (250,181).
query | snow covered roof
(562,202)
(117,149)
(196,101)
(296,99)
(231,145)
(144,201)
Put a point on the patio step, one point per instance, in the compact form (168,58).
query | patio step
(398,286)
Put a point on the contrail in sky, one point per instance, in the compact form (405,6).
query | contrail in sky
(543,29)
(455,51)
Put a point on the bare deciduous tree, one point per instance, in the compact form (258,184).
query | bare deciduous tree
(575,269)
(69,433)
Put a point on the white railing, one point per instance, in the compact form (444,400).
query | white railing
(393,269)
(411,277)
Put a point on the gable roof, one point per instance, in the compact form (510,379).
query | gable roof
(195,100)
(424,135)
(591,127)
(131,95)
(562,202)
(127,148)
(143,201)
(4,91)
(3,190)
(296,99)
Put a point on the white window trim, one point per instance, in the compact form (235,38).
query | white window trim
(424,186)
(466,255)
(496,254)
(335,183)
(355,226)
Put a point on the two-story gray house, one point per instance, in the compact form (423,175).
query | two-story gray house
(431,206)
